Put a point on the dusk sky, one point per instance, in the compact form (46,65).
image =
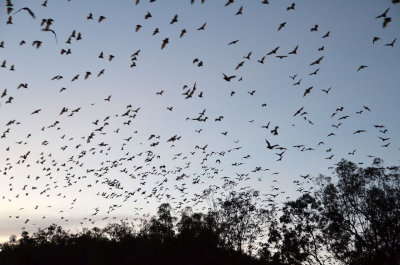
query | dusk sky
(68,168)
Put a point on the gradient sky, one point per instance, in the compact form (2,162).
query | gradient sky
(74,191)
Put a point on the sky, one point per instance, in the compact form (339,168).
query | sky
(51,172)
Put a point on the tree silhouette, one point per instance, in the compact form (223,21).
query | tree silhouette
(353,218)
(302,239)
(161,227)
(360,215)
(240,219)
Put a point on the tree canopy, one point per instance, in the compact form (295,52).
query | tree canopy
(351,218)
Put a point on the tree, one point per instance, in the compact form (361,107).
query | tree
(302,239)
(360,215)
(162,226)
(353,218)
(239,218)
(119,231)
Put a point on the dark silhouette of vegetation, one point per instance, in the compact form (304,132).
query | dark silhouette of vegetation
(353,218)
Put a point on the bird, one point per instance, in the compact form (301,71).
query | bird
(9,100)
(28,10)
(164,43)
(248,56)
(261,60)
(37,44)
(4,93)
(269,146)
(366,108)
(386,21)
(229,2)
(326,90)
(22,85)
(358,131)
(315,72)
(202,27)
(291,7)
(52,31)
(100,73)
(317,61)
(36,111)
(361,67)
(326,35)
(75,78)
(298,111)
(266,126)
(233,42)
(375,39)
(281,26)
(228,78)
(353,152)
(307,91)
(315,28)
(297,83)
(174,19)
(101,18)
(273,51)
(383,14)
(239,65)
(275,130)
(294,50)
(391,44)
(63,51)
(240,11)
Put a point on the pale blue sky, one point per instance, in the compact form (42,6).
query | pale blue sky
(352,27)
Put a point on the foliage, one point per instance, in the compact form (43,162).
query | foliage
(353,218)
(361,214)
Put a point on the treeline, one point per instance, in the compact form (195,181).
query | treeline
(352,218)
